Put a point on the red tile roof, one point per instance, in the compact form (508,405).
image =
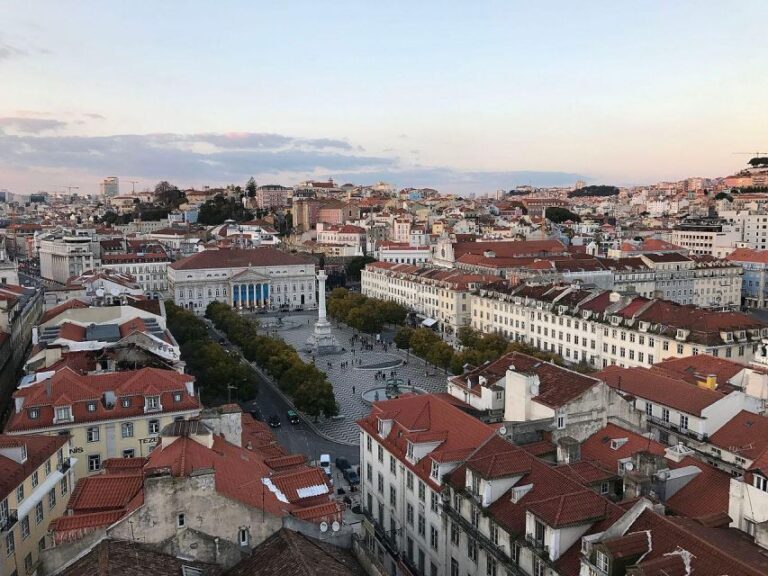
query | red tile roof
(598,446)
(509,249)
(64,306)
(659,389)
(237,258)
(39,449)
(104,492)
(576,508)
(557,385)
(694,369)
(745,434)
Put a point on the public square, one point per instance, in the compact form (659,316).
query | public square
(359,372)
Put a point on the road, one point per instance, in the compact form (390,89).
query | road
(296,438)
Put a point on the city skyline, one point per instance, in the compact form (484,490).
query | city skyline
(461,98)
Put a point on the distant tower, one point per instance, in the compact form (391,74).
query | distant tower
(580,184)
(110,186)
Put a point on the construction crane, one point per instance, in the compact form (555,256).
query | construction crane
(133,183)
(753,154)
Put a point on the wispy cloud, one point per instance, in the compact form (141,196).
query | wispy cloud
(231,157)
(8,51)
(29,125)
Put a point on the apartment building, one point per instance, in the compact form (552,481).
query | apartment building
(441,298)
(108,415)
(407,445)
(261,277)
(149,269)
(706,239)
(600,327)
(271,196)
(36,478)
(755,265)
(67,253)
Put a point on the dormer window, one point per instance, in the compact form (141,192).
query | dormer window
(177,396)
(152,403)
(126,402)
(34,413)
(91,406)
(760,482)
(617,443)
(435,470)
(64,414)
(601,561)
(409,452)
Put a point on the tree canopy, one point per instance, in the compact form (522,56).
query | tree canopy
(560,215)
(759,161)
(356,265)
(250,187)
(594,190)
(219,209)
(364,313)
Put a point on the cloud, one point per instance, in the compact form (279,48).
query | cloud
(93,116)
(234,156)
(7,51)
(31,125)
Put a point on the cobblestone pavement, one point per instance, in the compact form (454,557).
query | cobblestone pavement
(360,376)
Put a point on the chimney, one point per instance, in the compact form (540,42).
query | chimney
(614,297)
(710,383)
(48,387)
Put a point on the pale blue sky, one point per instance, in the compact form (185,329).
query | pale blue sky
(465,96)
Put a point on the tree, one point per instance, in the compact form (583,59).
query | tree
(250,187)
(403,337)
(559,215)
(759,161)
(355,266)
(168,195)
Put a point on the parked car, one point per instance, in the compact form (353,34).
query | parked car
(274,421)
(351,476)
(293,418)
(325,463)
(342,463)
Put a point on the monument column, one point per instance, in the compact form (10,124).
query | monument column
(321,312)
(322,340)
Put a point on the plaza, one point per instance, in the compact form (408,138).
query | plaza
(359,373)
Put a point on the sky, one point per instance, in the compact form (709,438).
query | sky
(466,97)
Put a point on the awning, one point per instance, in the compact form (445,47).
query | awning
(428,322)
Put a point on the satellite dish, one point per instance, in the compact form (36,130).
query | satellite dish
(100,292)
(114,292)
(503,430)
(335,526)
(629,466)
(323,527)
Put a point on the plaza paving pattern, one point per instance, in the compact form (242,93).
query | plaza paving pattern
(361,376)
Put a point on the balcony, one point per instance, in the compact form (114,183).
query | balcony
(538,546)
(494,549)
(9,522)
(675,428)
(64,465)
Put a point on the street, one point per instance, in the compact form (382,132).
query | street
(296,438)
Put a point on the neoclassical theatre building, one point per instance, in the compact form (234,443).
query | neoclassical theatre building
(249,278)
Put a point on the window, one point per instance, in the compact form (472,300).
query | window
(515,553)
(47,467)
(380,479)
(20,493)
(433,501)
(538,532)
(94,462)
(561,422)
(52,498)
(422,527)
(126,429)
(422,491)
(409,480)
(381,453)
(126,402)
(649,408)
(91,406)
(39,515)
(392,465)
(63,486)
(539,568)
(152,403)
(181,520)
(63,414)
(28,563)
(665,414)
(92,434)
(454,567)
(34,413)
(368,443)
(683,422)
(409,513)
(129,453)
(25,528)
(490,567)
(154,426)
(392,496)
(35,479)
(602,561)
(10,544)
(177,396)
(760,482)
(472,549)
(435,470)
(605,488)
(494,533)
(433,537)
(242,536)
(369,472)
(455,534)
(41,544)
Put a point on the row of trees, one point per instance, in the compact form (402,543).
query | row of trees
(213,367)
(476,348)
(363,313)
(304,383)
(559,215)
(219,209)
(599,190)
